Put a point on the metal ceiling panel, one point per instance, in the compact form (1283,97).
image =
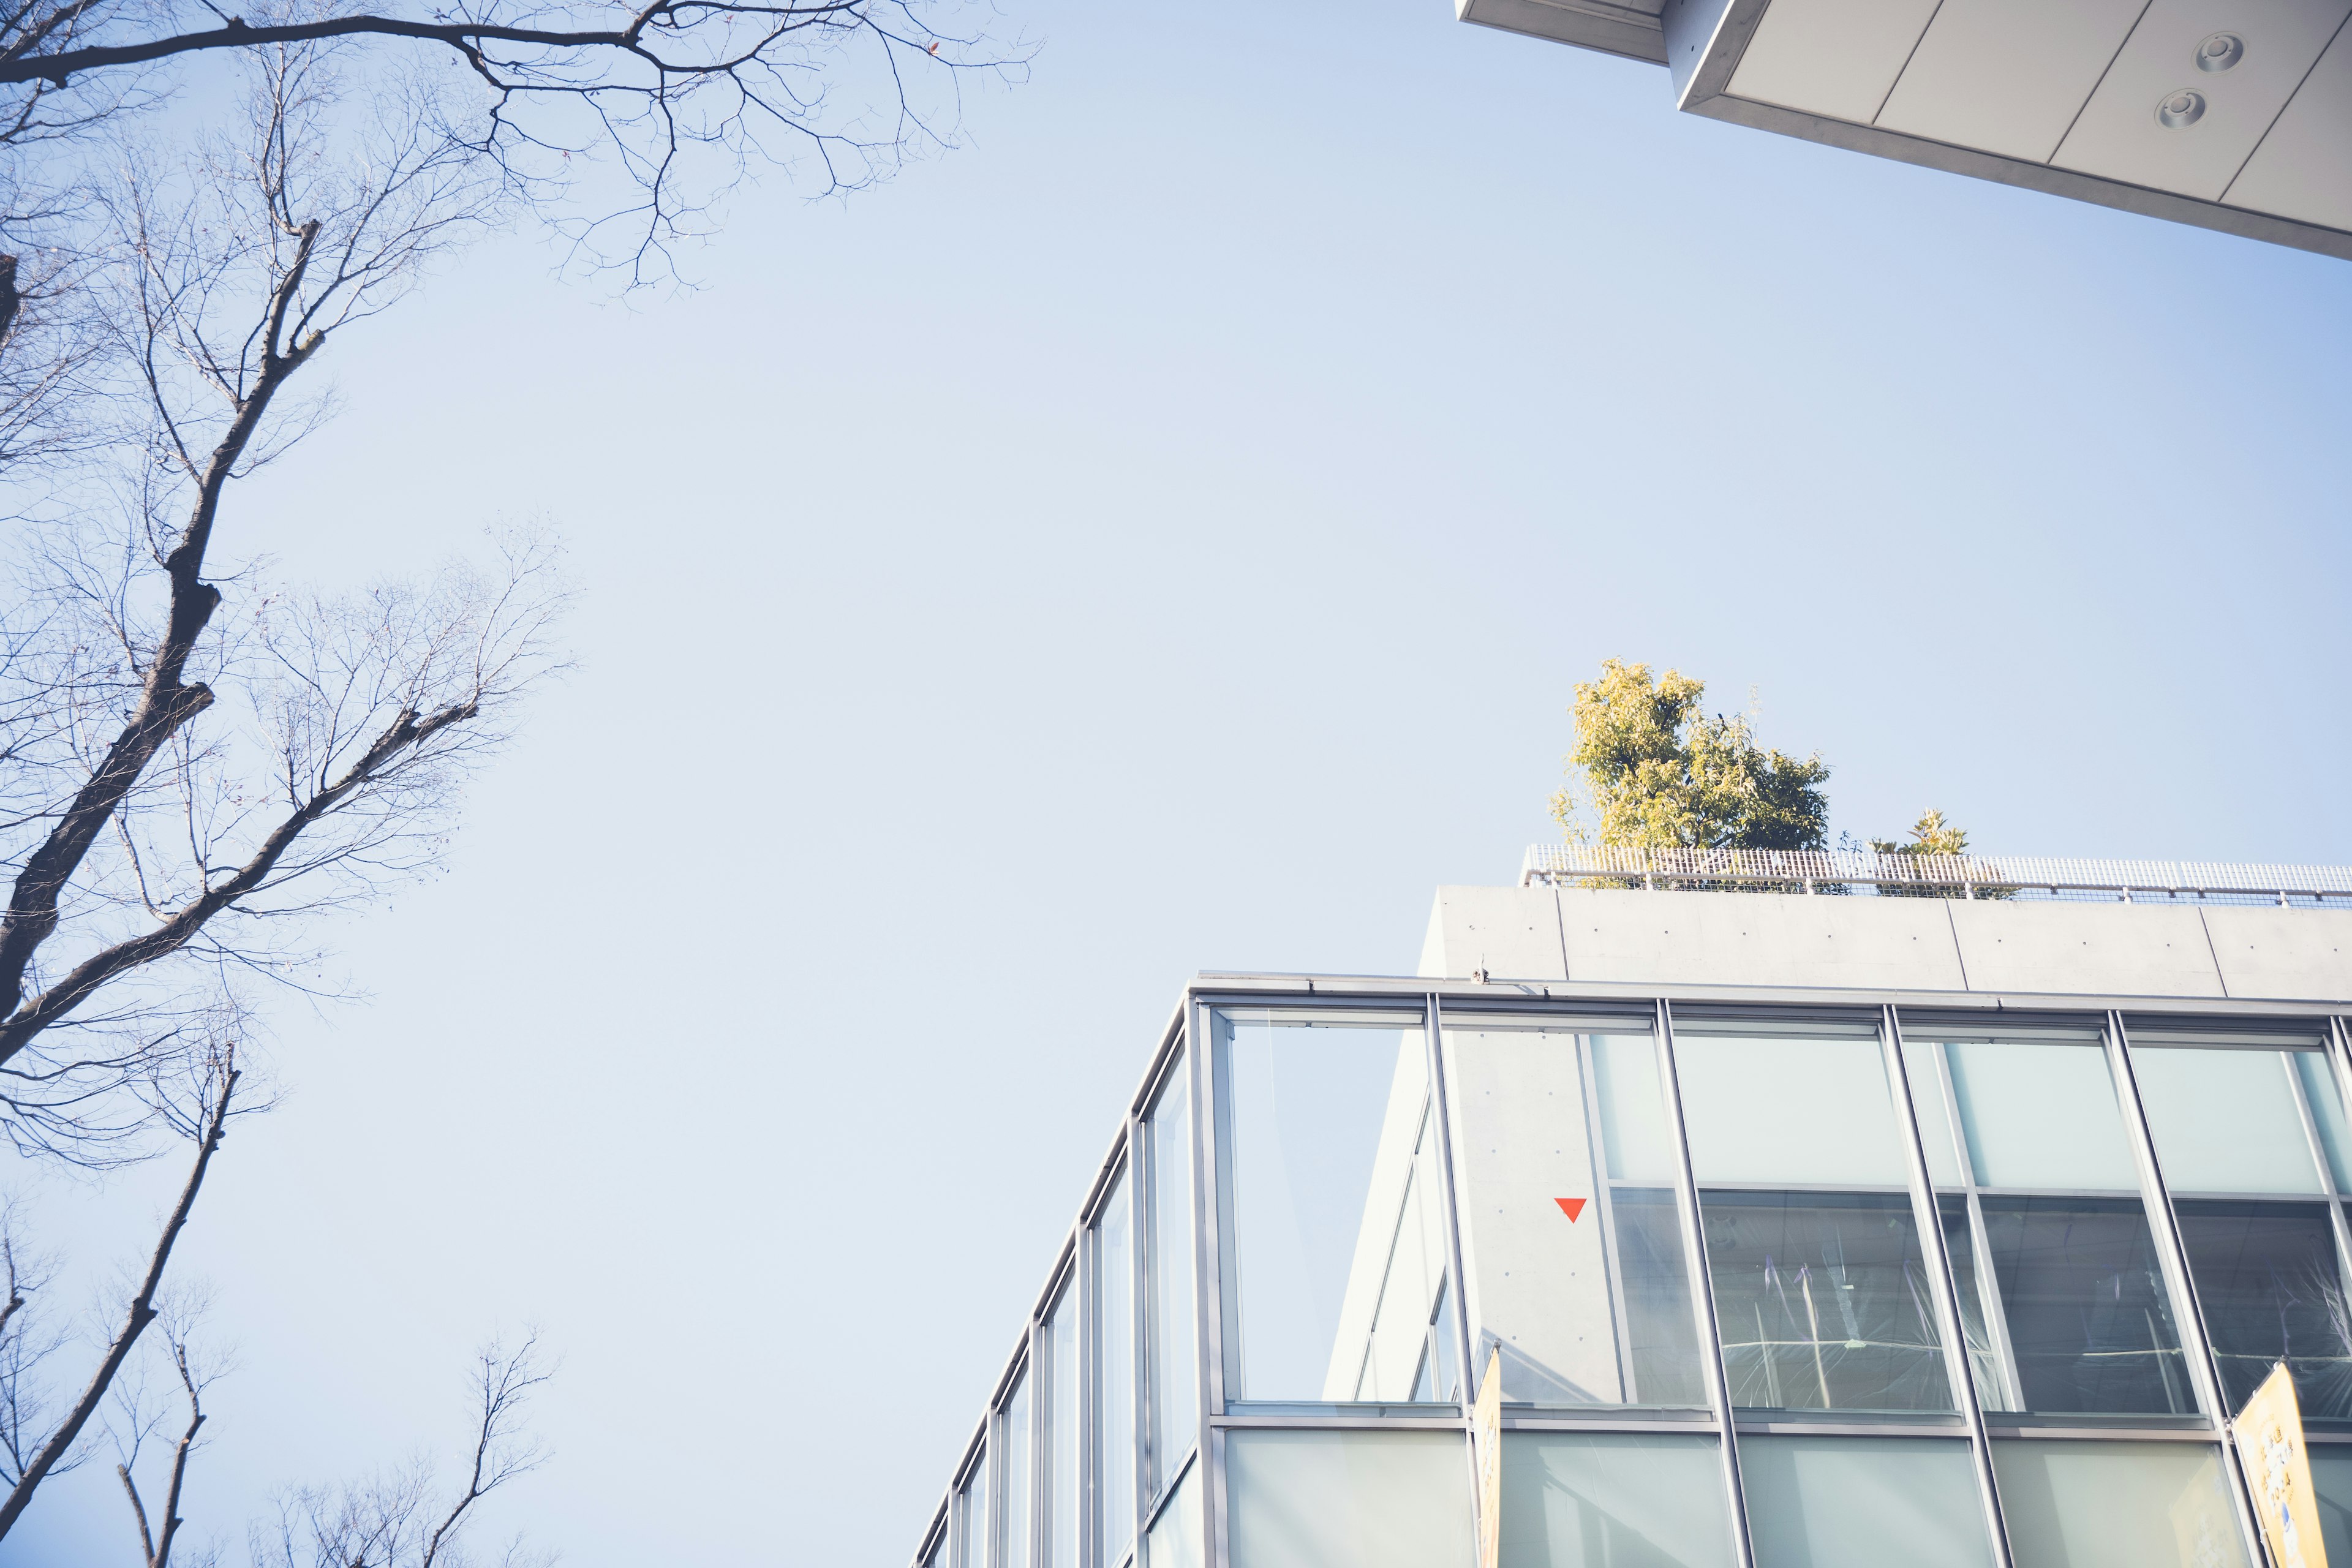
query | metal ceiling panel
(1837,58)
(2303,167)
(2008,76)
(2189,99)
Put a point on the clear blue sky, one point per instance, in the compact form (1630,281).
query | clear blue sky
(1163,536)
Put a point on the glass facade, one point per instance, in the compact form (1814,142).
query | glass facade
(1746,1309)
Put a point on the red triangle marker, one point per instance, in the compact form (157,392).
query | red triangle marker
(1571,1207)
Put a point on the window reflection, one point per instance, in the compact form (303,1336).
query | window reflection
(2063,1301)
(1820,1285)
(1332,1218)
(1824,1302)
(2271,1288)
(2228,1116)
(2089,1320)
(1570,1241)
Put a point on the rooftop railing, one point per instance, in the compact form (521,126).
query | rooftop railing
(1932,876)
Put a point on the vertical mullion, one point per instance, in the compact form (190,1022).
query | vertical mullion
(1947,1300)
(1432,1027)
(1989,1298)
(1604,1200)
(1138,1370)
(1438,1105)
(1702,1285)
(1084,1295)
(1201,1231)
(2158,1200)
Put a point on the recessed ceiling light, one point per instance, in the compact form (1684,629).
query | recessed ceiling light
(2181,109)
(2220,52)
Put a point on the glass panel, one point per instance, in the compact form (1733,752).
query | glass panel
(1984,1360)
(1923,1068)
(1347,1499)
(1014,1443)
(971,1517)
(1174,1538)
(1824,1302)
(1335,1269)
(1175,1398)
(1823,1296)
(1115,1433)
(1613,1500)
(2116,1505)
(1064,1473)
(2326,1102)
(1410,1348)
(2331,1477)
(1798,1113)
(1579,1280)
(1863,1502)
(2089,1320)
(2040,1114)
(2268,1286)
(2225,1120)
(1634,1128)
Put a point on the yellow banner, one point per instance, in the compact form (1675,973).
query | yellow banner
(2269,1434)
(1486,1445)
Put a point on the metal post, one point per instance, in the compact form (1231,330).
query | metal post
(1432,1026)
(1438,1110)
(2195,1342)
(1139,1343)
(1702,1285)
(1939,1272)
(1207,1377)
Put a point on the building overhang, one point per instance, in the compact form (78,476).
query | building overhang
(2233,115)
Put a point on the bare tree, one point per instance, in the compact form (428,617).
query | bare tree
(186,787)
(679,98)
(194,1371)
(203,1122)
(401,1519)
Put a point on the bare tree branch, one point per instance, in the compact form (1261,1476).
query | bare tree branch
(141,1312)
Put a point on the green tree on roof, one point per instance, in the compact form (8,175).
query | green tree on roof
(1656,771)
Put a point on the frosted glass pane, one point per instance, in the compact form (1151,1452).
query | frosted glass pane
(2042,1115)
(2224,1121)
(1842,1502)
(1615,1499)
(1938,1134)
(1769,1108)
(2331,1477)
(1174,1538)
(1542,1232)
(1632,1108)
(2326,1103)
(2116,1505)
(1347,1499)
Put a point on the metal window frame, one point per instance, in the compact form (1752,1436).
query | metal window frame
(2165,1222)
(1187,1045)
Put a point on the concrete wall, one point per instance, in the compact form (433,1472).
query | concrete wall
(1671,939)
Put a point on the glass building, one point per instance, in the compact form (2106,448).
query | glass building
(1801,1231)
